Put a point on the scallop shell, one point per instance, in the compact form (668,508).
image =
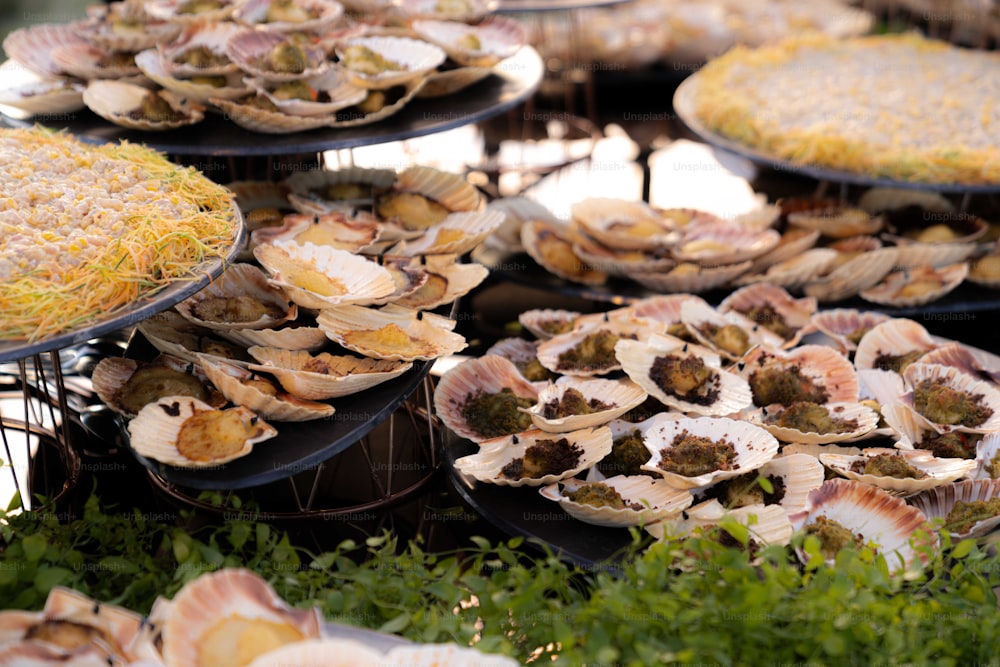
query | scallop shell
(801,474)
(857,274)
(954,378)
(44,97)
(234,382)
(450,190)
(308,339)
(823,366)
(152,65)
(448,10)
(172,334)
(551,351)
(838,222)
(518,211)
(458,234)
(326,651)
(333,84)
(986,452)
(408,279)
(985,271)
(241,280)
(935,255)
(253,195)
(481,45)
(900,289)
(14,624)
(554,251)
(794,272)
(866,418)
(114,101)
(936,503)
(893,338)
(659,500)
(754,447)
(795,314)
(396,98)
(621,395)
(324,376)
(885,387)
(496,453)
(33,46)
(311,189)
(628,225)
(256,119)
(154,431)
(665,308)
(250,50)
(117,626)
(174,11)
(196,628)
(723,393)
(459,280)
(255,13)
(450,81)
(792,243)
(412,58)
(112,373)
(883,520)
(28,653)
(539,321)
(335,230)
(966,359)
(201,35)
(124,27)
(691,278)
(840,324)
(911,226)
(877,200)
(86,61)
(621,262)
(315,276)
(939,471)
(767,524)
(696,316)
(489,374)
(724,243)
(399,334)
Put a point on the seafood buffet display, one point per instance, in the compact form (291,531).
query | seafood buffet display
(847,424)
(223,618)
(269,66)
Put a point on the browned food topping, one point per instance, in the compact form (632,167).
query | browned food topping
(232,309)
(856,335)
(812,418)
(265,216)
(768,317)
(533,371)
(412,210)
(261,384)
(746,490)
(785,385)
(260,102)
(150,383)
(731,338)
(887,465)
(954,445)
(201,56)
(628,453)
(594,353)
(341,191)
(299,90)
(897,363)
(492,415)
(209,435)
(964,515)
(993,468)
(554,327)
(155,108)
(67,635)
(287,57)
(213,80)
(199,6)
(946,405)
(573,402)
(222,348)
(117,59)
(687,378)
(544,457)
(598,494)
(680,330)
(833,536)
(691,455)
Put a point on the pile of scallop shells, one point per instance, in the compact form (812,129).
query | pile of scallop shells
(271,66)
(893,248)
(333,303)
(224,618)
(799,397)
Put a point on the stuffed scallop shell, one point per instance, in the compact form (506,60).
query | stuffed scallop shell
(683,376)
(552,247)
(448,10)
(690,277)
(590,350)
(814,423)
(813,373)
(197,88)
(481,45)
(324,376)
(443,285)
(335,230)
(932,471)
(893,345)
(171,333)
(241,298)
(384,61)
(856,274)
(274,57)
(85,61)
(838,222)
(723,243)
(536,458)
(320,95)
(396,333)
(289,15)
(792,476)
(261,394)
(320,191)
(690,453)
(126,385)
(934,255)
(231,617)
(938,503)
(199,50)
(847,326)
(729,334)
(624,224)
(946,399)
(44,96)
(186,433)
(316,276)
(773,308)
(457,234)
(572,403)
(479,398)
(793,242)
(643,500)
(138,108)
(916,286)
(187,12)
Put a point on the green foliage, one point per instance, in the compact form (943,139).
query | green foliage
(668,603)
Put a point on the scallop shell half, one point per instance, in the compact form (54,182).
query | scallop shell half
(240,281)
(916,286)
(659,499)
(938,502)
(823,366)
(116,101)
(408,59)
(620,395)
(885,344)
(860,419)
(939,471)
(399,334)
(846,326)
(562,353)
(481,45)
(324,376)
(982,393)
(252,49)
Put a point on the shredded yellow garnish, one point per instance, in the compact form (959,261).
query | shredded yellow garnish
(93,229)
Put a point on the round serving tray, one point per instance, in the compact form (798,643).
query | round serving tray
(513,81)
(137,311)
(684,107)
